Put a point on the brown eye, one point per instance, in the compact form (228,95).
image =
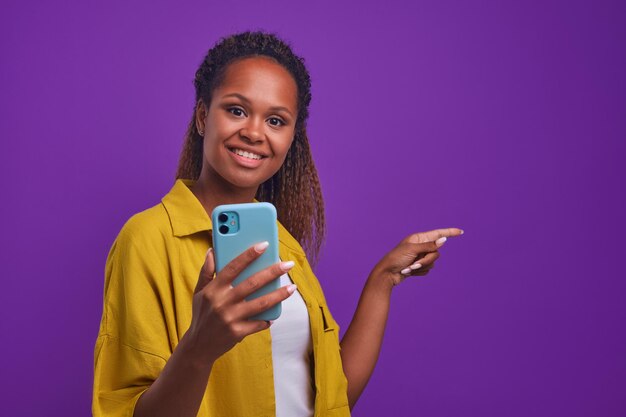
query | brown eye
(275,121)
(236,111)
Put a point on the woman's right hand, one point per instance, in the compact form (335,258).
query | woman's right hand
(220,311)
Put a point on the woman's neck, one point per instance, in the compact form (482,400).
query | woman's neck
(213,191)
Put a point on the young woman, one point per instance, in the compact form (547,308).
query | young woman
(175,339)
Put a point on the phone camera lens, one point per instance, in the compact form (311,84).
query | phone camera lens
(224,229)
(223,217)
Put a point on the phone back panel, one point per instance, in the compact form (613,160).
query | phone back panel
(257,223)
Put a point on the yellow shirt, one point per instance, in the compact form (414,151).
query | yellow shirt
(151,272)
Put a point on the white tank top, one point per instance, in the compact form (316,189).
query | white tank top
(292,350)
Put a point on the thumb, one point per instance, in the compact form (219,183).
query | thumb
(206,272)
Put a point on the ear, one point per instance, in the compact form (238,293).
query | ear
(201,115)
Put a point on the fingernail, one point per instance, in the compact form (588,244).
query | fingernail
(271,322)
(415,266)
(440,241)
(291,288)
(209,251)
(260,247)
(406,271)
(462,231)
(286,266)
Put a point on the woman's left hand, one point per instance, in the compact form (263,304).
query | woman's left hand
(415,255)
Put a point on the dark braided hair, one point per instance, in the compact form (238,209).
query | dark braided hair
(295,189)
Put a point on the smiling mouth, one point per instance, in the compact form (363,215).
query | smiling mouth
(246,154)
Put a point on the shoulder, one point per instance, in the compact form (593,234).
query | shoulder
(147,229)
(148,222)
(143,248)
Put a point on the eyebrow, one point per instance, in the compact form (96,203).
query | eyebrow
(245,100)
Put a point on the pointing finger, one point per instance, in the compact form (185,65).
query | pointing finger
(433,235)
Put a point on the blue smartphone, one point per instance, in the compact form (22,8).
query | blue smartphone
(236,227)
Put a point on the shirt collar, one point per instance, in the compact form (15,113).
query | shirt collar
(187,215)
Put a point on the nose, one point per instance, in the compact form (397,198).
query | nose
(253,130)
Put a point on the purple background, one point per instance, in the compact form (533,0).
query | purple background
(507,119)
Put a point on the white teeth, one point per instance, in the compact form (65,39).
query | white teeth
(246,154)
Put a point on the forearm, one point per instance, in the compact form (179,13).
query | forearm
(179,389)
(362,341)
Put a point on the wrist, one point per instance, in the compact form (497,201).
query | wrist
(195,357)
(381,281)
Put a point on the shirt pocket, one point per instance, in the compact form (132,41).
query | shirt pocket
(335,379)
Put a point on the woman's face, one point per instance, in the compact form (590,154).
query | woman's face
(250,123)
